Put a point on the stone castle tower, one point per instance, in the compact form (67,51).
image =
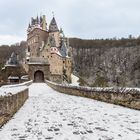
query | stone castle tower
(48,51)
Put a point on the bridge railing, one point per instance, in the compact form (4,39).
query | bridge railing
(128,97)
(12,97)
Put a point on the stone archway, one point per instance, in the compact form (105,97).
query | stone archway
(38,76)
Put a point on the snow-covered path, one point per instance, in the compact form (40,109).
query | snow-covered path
(48,114)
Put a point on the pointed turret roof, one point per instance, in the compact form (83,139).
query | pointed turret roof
(29,26)
(37,19)
(41,19)
(13,59)
(32,21)
(63,49)
(53,26)
(61,33)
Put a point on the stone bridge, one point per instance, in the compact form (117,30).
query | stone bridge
(48,114)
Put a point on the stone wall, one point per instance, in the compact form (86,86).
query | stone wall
(119,96)
(45,68)
(9,105)
(56,78)
(35,39)
(68,66)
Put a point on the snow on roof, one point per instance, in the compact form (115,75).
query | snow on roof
(3,68)
(13,77)
(25,77)
(55,50)
(27,57)
(10,65)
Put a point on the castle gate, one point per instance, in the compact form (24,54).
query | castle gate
(38,76)
(39,69)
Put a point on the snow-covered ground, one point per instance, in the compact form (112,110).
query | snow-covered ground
(74,80)
(48,114)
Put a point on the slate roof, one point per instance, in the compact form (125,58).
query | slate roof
(53,26)
(13,59)
(63,50)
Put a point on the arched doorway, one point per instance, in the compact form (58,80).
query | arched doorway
(38,76)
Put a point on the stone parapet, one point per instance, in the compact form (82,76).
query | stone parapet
(120,96)
(9,105)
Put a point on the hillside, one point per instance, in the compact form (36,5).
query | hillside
(107,62)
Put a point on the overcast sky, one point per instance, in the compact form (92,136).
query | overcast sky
(86,19)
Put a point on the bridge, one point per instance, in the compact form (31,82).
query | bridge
(48,114)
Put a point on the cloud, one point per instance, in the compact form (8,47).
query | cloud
(10,39)
(79,18)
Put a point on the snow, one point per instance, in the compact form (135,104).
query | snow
(74,80)
(3,68)
(116,89)
(113,89)
(13,89)
(25,77)
(13,77)
(121,89)
(138,89)
(48,114)
(17,85)
(10,65)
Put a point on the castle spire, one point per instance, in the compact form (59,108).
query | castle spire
(53,25)
(32,21)
(61,33)
(37,20)
(29,26)
(53,13)
(41,19)
(13,59)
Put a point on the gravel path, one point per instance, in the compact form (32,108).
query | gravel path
(48,115)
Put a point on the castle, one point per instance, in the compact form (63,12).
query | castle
(48,54)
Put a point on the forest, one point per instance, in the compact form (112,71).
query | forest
(98,62)
(107,62)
